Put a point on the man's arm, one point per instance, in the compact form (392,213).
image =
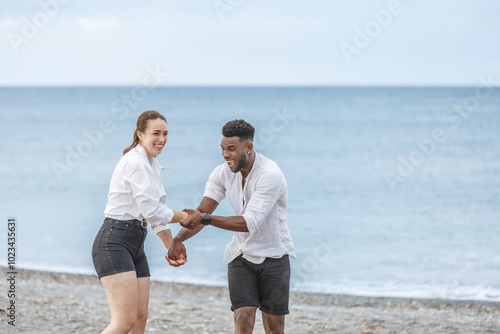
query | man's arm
(232,223)
(269,188)
(177,248)
(207,205)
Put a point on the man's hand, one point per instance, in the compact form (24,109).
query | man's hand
(176,254)
(194,220)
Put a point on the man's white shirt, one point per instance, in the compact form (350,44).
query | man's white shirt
(262,202)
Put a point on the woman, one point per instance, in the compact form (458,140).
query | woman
(136,199)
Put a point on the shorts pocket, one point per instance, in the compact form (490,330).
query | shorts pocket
(121,226)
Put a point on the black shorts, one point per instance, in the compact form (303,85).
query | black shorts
(265,285)
(119,247)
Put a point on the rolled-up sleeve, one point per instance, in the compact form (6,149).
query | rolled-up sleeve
(149,197)
(270,187)
(214,188)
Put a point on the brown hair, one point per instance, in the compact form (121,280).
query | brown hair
(142,124)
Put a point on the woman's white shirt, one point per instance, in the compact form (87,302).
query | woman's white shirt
(136,191)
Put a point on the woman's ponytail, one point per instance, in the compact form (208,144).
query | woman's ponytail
(134,143)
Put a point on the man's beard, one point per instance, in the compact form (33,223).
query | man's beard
(241,163)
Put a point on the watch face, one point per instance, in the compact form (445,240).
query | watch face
(206,220)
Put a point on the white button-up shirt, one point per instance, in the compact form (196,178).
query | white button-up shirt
(262,203)
(136,191)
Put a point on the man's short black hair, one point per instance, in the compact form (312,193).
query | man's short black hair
(238,128)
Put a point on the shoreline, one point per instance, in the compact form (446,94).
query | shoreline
(51,302)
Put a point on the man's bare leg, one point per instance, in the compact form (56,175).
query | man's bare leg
(244,319)
(273,324)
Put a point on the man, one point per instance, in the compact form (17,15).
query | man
(258,256)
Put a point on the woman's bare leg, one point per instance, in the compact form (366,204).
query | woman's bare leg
(122,294)
(142,305)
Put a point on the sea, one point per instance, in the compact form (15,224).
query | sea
(392,191)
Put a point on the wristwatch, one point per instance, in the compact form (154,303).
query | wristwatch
(206,220)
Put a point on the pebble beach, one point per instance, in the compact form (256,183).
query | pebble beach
(48,302)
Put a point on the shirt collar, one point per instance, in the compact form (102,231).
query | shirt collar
(155,163)
(256,164)
(141,151)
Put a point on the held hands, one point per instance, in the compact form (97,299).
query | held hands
(194,220)
(176,263)
(176,254)
(177,251)
(183,216)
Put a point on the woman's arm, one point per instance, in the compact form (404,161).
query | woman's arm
(166,237)
(179,217)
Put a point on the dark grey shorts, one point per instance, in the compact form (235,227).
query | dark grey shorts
(119,247)
(265,285)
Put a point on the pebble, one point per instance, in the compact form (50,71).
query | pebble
(69,303)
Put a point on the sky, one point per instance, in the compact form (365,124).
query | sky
(249,43)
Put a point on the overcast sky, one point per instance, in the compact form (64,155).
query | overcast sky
(250,42)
